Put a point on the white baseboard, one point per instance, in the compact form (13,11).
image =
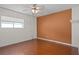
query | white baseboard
(54,41)
(11,43)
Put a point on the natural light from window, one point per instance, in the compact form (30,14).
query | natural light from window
(10,22)
(18,25)
(6,25)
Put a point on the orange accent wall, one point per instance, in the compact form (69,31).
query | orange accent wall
(55,26)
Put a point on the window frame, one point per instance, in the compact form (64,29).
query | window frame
(18,22)
(6,22)
(13,22)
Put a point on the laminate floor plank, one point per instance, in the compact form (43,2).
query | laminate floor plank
(38,47)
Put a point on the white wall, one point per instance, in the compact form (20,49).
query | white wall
(11,36)
(75,26)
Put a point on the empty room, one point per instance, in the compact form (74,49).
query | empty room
(39,29)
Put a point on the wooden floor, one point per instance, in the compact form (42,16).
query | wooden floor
(23,48)
(38,47)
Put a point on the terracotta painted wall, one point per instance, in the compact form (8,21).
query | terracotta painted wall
(55,26)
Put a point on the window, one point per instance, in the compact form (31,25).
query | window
(18,25)
(9,22)
(6,25)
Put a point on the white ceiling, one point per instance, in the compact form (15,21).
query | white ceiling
(44,8)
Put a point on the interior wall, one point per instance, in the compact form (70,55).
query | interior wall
(75,26)
(10,36)
(55,26)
